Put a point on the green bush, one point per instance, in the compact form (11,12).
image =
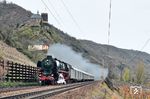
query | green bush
(18,84)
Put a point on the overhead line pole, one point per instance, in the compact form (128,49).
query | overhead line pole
(109,25)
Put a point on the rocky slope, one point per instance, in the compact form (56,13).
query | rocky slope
(11,54)
(12,15)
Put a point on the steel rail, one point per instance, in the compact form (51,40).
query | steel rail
(46,93)
(3,90)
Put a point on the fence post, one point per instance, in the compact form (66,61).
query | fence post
(15,72)
(7,69)
(2,70)
(11,72)
(26,73)
(19,73)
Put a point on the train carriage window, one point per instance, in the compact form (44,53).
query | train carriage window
(62,66)
(58,64)
(66,67)
(80,75)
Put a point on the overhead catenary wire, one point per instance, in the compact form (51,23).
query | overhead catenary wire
(68,11)
(51,13)
(49,1)
(147,41)
(145,44)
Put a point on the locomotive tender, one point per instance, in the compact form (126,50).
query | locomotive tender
(53,70)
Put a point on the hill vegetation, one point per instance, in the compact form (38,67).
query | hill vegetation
(17,30)
(11,54)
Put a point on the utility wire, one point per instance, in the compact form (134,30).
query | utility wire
(145,44)
(67,9)
(55,11)
(51,13)
(140,50)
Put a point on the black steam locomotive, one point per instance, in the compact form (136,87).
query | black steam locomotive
(54,71)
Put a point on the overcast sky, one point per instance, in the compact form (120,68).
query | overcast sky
(130,24)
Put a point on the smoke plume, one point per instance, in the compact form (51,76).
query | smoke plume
(66,54)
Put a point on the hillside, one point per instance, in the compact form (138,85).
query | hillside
(11,54)
(19,32)
(12,15)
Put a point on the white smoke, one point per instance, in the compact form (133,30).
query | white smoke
(66,54)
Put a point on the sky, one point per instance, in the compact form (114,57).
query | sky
(130,20)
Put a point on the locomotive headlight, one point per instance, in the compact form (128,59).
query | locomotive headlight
(47,62)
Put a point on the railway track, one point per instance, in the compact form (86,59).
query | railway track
(47,93)
(5,90)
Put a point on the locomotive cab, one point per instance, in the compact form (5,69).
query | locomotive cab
(63,69)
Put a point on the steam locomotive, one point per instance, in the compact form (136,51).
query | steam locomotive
(54,71)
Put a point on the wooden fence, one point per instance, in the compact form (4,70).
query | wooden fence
(10,71)
(2,70)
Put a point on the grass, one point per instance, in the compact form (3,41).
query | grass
(17,84)
(94,91)
(101,91)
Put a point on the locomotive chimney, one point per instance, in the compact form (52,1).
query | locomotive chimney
(49,57)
